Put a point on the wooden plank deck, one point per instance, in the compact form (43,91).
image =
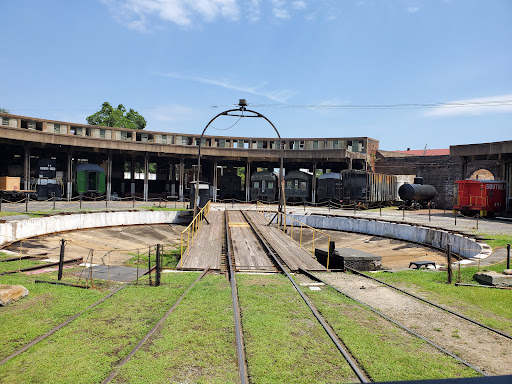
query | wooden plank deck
(290,252)
(206,251)
(247,250)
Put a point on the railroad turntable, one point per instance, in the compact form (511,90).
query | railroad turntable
(261,324)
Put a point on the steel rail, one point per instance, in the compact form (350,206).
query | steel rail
(313,277)
(361,375)
(115,371)
(433,304)
(42,266)
(58,327)
(242,363)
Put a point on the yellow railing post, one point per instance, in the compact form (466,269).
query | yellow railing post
(181,249)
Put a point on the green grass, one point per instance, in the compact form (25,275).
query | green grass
(497,240)
(44,307)
(86,350)
(170,259)
(284,342)
(386,352)
(6,266)
(492,307)
(195,345)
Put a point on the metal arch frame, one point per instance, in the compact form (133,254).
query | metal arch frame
(227,113)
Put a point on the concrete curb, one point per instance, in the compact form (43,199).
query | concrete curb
(22,229)
(463,245)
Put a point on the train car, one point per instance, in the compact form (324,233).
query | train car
(90,179)
(264,186)
(368,189)
(230,186)
(297,186)
(330,187)
(485,197)
(417,195)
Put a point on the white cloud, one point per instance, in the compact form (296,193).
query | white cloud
(413,9)
(169,113)
(135,14)
(281,13)
(299,5)
(254,11)
(280,96)
(476,106)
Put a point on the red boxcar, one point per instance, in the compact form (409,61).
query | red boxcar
(483,196)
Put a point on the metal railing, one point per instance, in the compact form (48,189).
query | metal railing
(286,222)
(191,231)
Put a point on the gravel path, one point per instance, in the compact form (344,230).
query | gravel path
(484,349)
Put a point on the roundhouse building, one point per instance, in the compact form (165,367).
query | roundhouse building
(148,163)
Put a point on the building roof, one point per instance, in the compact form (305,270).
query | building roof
(427,152)
(416,152)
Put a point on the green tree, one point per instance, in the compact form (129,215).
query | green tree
(3,110)
(117,117)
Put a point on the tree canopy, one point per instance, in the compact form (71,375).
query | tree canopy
(3,110)
(117,117)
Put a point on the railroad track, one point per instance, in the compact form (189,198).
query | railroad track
(338,343)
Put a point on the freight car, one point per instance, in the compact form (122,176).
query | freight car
(230,185)
(485,197)
(417,195)
(297,186)
(264,186)
(89,180)
(368,189)
(330,187)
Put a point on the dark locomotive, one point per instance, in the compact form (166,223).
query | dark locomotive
(230,185)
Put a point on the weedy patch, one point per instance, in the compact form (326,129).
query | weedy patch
(386,352)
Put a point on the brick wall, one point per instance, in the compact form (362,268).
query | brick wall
(439,171)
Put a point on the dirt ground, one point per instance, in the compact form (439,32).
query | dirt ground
(396,254)
(111,246)
(493,354)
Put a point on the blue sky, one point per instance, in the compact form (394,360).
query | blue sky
(409,73)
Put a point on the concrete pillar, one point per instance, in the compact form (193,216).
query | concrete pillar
(181,180)
(313,188)
(69,176)
(146,177)
(132,177)
(109,176)
(248,181)
(215,180)
(26,168)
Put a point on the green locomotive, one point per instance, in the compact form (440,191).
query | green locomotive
(90,180)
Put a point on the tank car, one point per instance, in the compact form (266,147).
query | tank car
(367,189)
(417,195)
(264,186)
(297,186)
(480,196)
(330,187)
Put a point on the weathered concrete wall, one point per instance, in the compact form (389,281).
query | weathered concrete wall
(462,245)
(21,229)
